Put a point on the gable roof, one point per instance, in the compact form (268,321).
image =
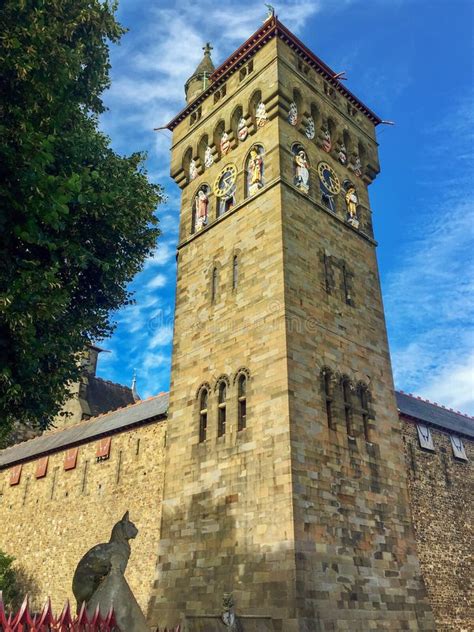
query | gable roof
(142,412)
(425,411)
(272,28)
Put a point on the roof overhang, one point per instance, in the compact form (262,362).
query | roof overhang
(271,28)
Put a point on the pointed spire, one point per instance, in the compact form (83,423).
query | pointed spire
(199,80)
(135,394)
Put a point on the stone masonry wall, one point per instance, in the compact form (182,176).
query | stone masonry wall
(227,515)
(355,548)
(48,524)
(441,491)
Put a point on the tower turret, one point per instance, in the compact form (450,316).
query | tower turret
(199,80)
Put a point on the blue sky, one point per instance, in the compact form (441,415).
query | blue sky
(411,62)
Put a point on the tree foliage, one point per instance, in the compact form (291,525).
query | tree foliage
(76,219)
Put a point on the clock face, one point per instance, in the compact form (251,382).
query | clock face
(328,178)
(224,184)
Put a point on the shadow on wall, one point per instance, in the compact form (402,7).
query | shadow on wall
(198,549)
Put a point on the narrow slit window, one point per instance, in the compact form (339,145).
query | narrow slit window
(222,415)
(328,398)
(345,282)
(214,285)
(364,406)
(242,403)
(203,402)
(235,272)
(346,391)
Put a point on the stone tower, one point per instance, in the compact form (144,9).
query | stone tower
(285,483)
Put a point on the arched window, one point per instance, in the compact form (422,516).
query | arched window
(242,402)
(255,168)
(254,104)
(214,283)
(222,414)
(327,377)
(235,272)
(217,138)
(187,158)
(347,398)
(239,125)
(202,147)
(364,408)
(203,403)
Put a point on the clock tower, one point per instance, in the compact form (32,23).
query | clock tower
(285,491)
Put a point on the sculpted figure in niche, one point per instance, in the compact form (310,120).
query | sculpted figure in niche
(242,130)
(310,129)
(342,155)
(301,170)
(193,172)
(201,203)
(261,114)
(351,202)
(225,143)
(293,114)
(99,579)
(208,158)
(357,167)
(255,170)
(327,143)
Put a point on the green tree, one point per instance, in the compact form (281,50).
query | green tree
(9,586)
(76,220)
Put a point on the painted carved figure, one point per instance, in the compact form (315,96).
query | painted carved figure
(193,172)
(261,114)
(242,129)
(208,158)
(357,167)
(255,171)
(351,202)
(310,129)
(293,114)
(327,143)
(225,143)
(342,155)
(301,170)
(201,208)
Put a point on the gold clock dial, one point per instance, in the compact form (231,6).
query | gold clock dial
(328,178)
(225,181)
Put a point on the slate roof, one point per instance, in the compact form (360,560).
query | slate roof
(103,396)
(444,418)
(136,414)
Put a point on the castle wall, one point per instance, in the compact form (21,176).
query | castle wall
(441,491)
(48,524)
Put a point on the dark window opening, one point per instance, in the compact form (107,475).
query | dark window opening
(235,272)
(365,413)
(242,403)
(203,416)
(214,285)
(328,399)
(222,409)
(346,391)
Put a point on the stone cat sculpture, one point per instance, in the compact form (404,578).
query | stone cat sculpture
(96,564)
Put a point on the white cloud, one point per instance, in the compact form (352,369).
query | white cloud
(162,255)
(158,281)
(429,300)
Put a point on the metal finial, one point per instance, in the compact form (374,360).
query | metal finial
(207,49)
(271,11)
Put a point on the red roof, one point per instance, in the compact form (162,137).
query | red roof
(272,28)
